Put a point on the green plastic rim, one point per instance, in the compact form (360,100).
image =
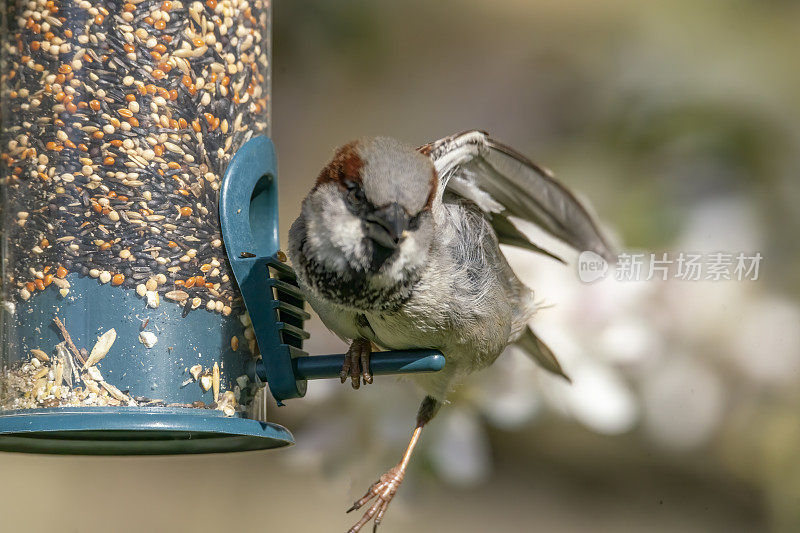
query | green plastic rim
(135,431)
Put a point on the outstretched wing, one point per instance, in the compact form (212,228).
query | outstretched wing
(505,183)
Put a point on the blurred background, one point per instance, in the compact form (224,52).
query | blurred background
(680,121)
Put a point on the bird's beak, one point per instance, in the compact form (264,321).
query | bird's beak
(386,225)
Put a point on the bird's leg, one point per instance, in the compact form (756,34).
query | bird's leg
(386,487)
(356,363)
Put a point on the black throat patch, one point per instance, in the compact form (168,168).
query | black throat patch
(353,287)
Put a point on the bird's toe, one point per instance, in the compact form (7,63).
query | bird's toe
(356,363)
(382,491)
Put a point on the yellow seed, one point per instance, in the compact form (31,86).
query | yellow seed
(215,381)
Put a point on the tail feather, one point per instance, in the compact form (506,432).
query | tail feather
(539,352)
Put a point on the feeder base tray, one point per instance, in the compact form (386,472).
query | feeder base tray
(135,431)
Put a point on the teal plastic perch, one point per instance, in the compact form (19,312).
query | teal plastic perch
(380,363)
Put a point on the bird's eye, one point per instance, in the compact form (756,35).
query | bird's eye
(355,196)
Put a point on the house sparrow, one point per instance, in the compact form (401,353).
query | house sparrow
(399,247)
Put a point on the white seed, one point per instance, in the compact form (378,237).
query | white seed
(148,338)
(101,348)
(153,299)
(94,373)
(206,382)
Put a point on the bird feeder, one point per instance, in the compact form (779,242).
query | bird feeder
(140,222)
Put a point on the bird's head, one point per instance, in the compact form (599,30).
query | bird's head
(369,213)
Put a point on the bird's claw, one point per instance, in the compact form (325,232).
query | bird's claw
(384,489)
(356,363)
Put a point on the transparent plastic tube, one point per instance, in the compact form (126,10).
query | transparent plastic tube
(118,121)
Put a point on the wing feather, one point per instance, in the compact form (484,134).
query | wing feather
(505,183)
(507,233)
(541,353)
